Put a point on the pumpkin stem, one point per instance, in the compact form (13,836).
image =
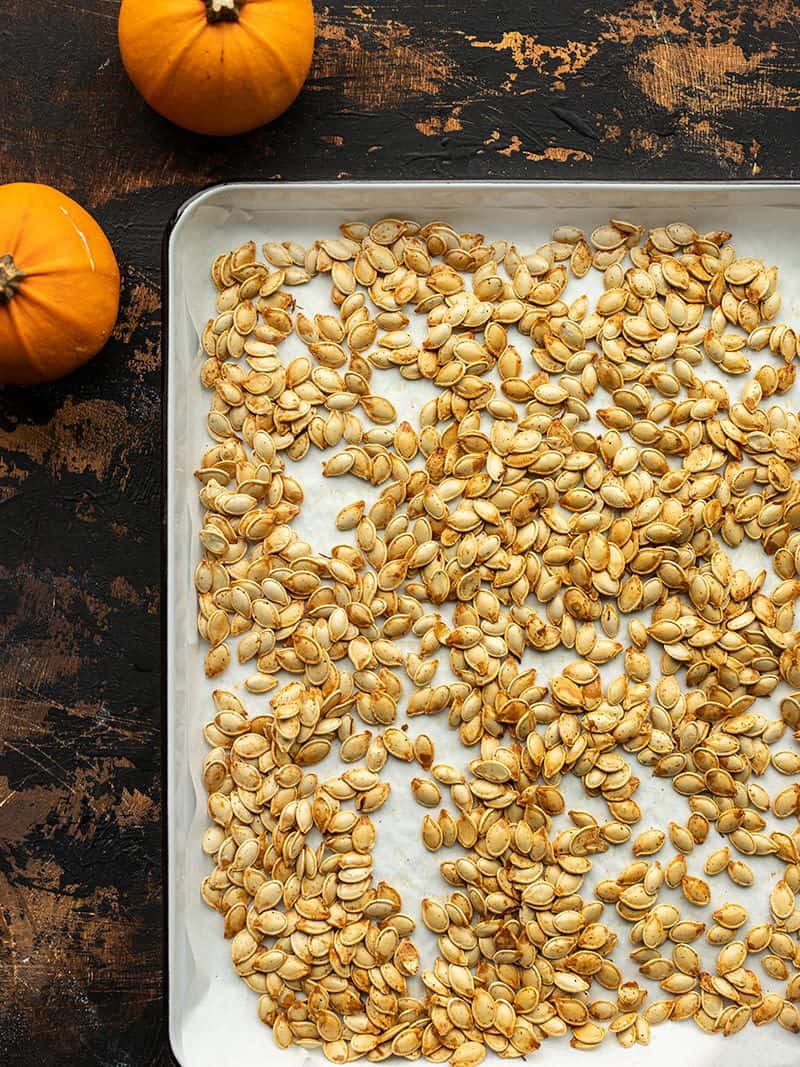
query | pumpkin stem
(10,278)
(223,10)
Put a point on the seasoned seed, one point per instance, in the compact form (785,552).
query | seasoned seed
(681,838)
(426,792)
(431,834)
(468,1054)
(731,915)
(398,744)
(649,842)
(424,751)
(717,861)
(781,900)
(740,873)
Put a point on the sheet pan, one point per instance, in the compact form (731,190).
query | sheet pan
(212,1014)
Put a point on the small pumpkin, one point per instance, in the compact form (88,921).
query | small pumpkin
(217,67)
(59,285)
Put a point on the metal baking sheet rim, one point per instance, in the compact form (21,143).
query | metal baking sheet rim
(441,195)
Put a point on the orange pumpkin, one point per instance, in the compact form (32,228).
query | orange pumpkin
(217,67)
(59,285)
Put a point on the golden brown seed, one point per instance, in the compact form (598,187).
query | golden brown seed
(731,915)
(741,873)
(398,744)
(717,861)
(468,1054)
(695,890)
(675,871)
(649,842)
(435,916)
(426,792)
(781,900)
(681,838)
(424,751)
(431,834)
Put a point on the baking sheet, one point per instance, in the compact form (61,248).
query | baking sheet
(213,1019)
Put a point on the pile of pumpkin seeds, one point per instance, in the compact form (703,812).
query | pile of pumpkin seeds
(581,480)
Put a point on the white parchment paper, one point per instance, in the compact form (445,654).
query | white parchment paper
(213,1020)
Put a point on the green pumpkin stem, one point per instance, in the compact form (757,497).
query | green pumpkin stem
(223,10)
(10,278)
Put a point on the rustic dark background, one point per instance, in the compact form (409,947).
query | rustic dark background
(440,88)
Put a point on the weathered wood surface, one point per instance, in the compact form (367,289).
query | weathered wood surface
(444,88)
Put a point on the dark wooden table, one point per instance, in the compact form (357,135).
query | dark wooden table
(441,88)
